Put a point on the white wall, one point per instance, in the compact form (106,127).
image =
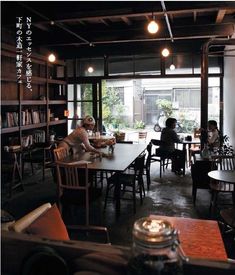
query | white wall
(229,98)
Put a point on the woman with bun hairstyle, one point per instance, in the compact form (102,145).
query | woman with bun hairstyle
(78,140)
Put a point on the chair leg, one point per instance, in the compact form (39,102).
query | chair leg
(194,194)
(134,197)
(87,207)
(148,178)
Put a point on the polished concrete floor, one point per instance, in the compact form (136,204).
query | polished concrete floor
(170,196)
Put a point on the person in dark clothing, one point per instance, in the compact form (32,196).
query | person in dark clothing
(169,138)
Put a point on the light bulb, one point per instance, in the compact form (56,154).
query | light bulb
(90,69)
(51,57)
(165,52)
(153,27)
(172,67)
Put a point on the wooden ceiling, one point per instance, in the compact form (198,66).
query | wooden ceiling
(97,28)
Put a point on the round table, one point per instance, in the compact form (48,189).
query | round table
(223,175)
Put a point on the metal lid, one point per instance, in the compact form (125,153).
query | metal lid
(154,231)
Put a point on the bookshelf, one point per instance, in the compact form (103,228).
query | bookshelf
(25,112)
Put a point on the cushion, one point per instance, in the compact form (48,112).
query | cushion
(49,225)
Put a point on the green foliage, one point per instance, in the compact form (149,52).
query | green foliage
(139,124)
(165,105)
(112,107)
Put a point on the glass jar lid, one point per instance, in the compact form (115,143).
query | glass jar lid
(153,231)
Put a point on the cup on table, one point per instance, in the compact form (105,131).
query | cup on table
(97,134)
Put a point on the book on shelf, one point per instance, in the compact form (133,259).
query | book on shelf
(11,119)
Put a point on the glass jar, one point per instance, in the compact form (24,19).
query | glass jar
(155,248)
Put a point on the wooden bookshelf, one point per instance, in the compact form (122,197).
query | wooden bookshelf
(49,91)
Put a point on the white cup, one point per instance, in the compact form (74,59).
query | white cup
(6,148)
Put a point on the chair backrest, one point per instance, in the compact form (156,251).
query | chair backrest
(196,133)
(143,136)
(60,153)
(72,175)
(21,224)
(139,165)
(156,142)
(224,162)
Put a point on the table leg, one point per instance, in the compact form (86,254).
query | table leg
(117,190)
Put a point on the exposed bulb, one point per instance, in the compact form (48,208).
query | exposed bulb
(153,27)
(90,70)
(165,52)
(172,67)
(51,57)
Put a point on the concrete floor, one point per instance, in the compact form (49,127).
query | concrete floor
(170,196)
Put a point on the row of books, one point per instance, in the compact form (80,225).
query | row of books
(38,136)
(32,117)
(11,119)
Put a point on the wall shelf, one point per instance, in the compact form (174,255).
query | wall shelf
(23,106)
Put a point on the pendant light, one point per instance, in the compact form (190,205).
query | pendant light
(172,66)
(153,26)
(165,52)
(90,68)
(51,58)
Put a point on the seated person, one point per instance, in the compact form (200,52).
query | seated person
(78,140)
(169,138)
(211,136)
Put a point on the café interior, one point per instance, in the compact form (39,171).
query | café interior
(121,207)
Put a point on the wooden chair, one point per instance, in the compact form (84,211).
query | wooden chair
(142,136)
(60,153)
(158,156)
(74,186)
(134,181)
(221,162)
(200,178)
(40,153)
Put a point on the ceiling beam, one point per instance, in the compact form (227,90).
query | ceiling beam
(104,22)
(220,16)
(58,24)
(180,33)
(126,20)
(140,14)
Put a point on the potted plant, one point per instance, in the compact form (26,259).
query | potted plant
(139,124)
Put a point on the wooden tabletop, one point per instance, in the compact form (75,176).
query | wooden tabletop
(122,157)
(223,175)
(200,239)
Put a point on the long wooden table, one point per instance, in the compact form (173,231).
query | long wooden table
(122,157)
(200,239)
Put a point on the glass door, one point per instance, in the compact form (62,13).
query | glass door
(83,100)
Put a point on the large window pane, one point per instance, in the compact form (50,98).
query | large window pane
(70,92)
(84,92)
